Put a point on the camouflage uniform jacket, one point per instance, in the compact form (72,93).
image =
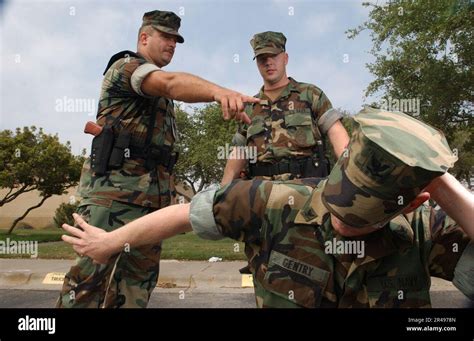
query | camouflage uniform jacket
(286,230)
(121,97)
(290,126)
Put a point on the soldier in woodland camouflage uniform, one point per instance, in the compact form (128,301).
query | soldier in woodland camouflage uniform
(289,123)
(136,100)
(372,197)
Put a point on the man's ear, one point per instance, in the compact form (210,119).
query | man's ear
(143,38)
(286,58)
(420,199)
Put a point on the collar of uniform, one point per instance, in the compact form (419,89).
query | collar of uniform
(291,86)
(313,211)
(401,231)
(396,236)
(120,55)
(377,245)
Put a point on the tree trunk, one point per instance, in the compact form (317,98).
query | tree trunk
(184,195)
(17,220)
(10,197)
(191,184)
(6,196)
(201,185)
(467,177)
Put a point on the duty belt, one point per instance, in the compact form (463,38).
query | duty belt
(304,167)
(155,155)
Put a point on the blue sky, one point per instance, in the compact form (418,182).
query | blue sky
(51,50)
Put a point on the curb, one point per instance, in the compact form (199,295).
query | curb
(173,274)
(49,274)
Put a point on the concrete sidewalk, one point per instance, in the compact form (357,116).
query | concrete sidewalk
(44,274)
(35,283)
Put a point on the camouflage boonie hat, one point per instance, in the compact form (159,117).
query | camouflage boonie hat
(164,21)
(268,42)
(391,158)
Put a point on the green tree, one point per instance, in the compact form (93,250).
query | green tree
(203,136)
(32,160)
(464,146)
(425,50)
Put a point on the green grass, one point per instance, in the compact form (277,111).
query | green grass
(191,247)
(41,236)
(181,247)
(59,250)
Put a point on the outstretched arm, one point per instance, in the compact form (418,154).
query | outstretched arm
(338,137)
(190,88)
(455,200)
(236,211)
(232,169)
(149,229)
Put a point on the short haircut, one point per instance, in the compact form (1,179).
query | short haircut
(148,29)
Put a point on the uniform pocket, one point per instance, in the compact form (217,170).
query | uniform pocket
(295,280)
(256,127)
(401,291)
(300,129)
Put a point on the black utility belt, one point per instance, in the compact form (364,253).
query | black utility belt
(305,168)
(109,152)
(155,155)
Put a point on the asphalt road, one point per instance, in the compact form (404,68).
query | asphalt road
(231,298)
(159,299)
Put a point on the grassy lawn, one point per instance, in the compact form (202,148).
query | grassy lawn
(182,247)
(189,246)
(41,236)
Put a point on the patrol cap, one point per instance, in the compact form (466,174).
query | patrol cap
(390,159)
(268,42)
(164,21)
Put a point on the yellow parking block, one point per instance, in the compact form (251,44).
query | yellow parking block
(247,281)
(54,278)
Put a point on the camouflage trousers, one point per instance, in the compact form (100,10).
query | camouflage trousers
(127,281)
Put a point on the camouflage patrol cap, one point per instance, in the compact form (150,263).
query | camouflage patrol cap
(268,42)
(164,21)
(390,159)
